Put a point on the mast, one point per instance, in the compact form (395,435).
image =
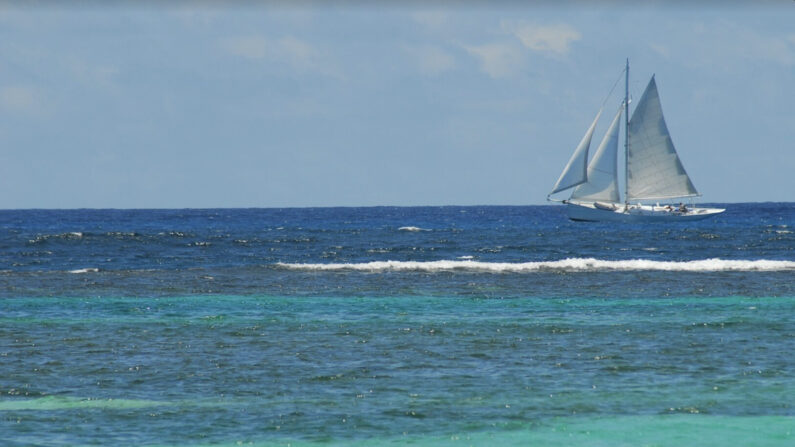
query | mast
(626,135)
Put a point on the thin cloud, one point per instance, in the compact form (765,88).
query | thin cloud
(661,49)
(432,20)
(432,60)
(728,44)
(22,98)
(299,55)
(249,47)
(780,49)
(549,39)
(498,60)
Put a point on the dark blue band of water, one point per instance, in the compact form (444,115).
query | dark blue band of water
(243,251)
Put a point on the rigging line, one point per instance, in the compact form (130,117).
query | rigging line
(620,75)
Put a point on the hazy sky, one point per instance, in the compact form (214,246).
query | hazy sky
(348,105)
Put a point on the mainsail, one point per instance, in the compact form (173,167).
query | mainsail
(602,181)
(575,172)
(653,167)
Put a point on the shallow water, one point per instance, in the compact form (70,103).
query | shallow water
(272,369)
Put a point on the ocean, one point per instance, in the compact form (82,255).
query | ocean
(439,326)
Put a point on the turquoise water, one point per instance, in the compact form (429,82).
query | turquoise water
(265,370)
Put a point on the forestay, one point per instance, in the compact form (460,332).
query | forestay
(654,170)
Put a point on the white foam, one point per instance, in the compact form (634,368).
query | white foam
(45,237)
(412,229)
(569,264)
(85,270)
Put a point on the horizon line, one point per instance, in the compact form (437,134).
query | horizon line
(335,206)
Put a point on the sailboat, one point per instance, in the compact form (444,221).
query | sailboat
(653,170)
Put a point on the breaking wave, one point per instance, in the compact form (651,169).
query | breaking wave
(71,235)
(85,270)
(569,264)
(412,229)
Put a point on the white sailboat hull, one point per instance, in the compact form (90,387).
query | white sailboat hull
(598,212)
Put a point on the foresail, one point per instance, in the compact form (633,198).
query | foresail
(576,170)
(602,181)
(654,170)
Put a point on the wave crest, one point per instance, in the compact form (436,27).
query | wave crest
(568,264)
(412,229)
(85,270)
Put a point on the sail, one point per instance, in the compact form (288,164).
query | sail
(575,172)
(602,181)
(654,170)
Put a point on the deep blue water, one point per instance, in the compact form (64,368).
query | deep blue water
(420,326)
(243,251)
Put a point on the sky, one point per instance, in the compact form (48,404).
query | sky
(201,105)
